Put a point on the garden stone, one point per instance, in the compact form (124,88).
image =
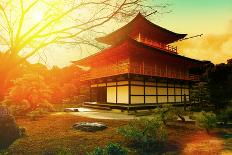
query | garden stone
(9,131)
(71,110)
(89,127)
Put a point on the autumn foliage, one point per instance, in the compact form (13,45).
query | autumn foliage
(37,87)
(29,93)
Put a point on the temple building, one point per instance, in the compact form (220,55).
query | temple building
(140,69)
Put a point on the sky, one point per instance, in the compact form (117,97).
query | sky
(212,18)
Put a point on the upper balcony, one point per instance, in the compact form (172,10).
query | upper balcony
(152,43)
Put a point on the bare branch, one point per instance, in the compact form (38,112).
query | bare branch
(61,26)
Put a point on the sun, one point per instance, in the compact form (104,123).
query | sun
(38,16)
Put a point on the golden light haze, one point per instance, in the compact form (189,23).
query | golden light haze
(212,18)
(214,47)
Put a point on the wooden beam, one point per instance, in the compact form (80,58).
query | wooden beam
(129,91)
(144,91)
(116,90)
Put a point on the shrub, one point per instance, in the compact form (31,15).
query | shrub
(166,113)
(97,151)
(110,149)
(115,149)
(145,134)
(207,120)
(171,113)
(3,152)
(225,115)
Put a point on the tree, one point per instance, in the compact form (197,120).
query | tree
(220,85)
(28,27)
(29,93)
(200,93)
(216,85)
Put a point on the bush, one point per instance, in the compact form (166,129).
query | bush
(225,115)
(3,152)
(207,120)
(110,149)
(170,113)
(145,134)
(115,149)
(166,113)
(97,151)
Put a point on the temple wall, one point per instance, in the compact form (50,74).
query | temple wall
(147,63)
(111,94)
(122,95)
(145,91)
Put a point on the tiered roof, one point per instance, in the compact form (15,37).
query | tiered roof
(132,47)
(139,39)
(140,26)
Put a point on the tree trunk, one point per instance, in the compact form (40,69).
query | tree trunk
(185,100)
(181,117)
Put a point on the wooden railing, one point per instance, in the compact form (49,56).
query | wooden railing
(114,69)
(194,77)
(160,72)
(152,43)
(123,68)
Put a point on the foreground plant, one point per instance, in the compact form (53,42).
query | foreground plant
(226,114)
(207,120)
(110,149)
(145,134)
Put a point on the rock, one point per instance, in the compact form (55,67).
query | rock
(9,130)
(90,127)
(71,110)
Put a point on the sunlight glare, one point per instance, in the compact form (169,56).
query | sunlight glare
(38,16)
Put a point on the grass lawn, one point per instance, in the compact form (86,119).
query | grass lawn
(53,133)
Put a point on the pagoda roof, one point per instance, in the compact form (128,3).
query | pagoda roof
(130,47)
(141,26)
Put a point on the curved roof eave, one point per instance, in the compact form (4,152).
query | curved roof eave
(126,29)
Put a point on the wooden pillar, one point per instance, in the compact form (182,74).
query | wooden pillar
(189,90)
(167,90)
(90,93)
(97,93)
(181,90)
(144,91)
(129,91)
(106,91)
(156,91)
(116,91)
(185,102)
(174,91)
